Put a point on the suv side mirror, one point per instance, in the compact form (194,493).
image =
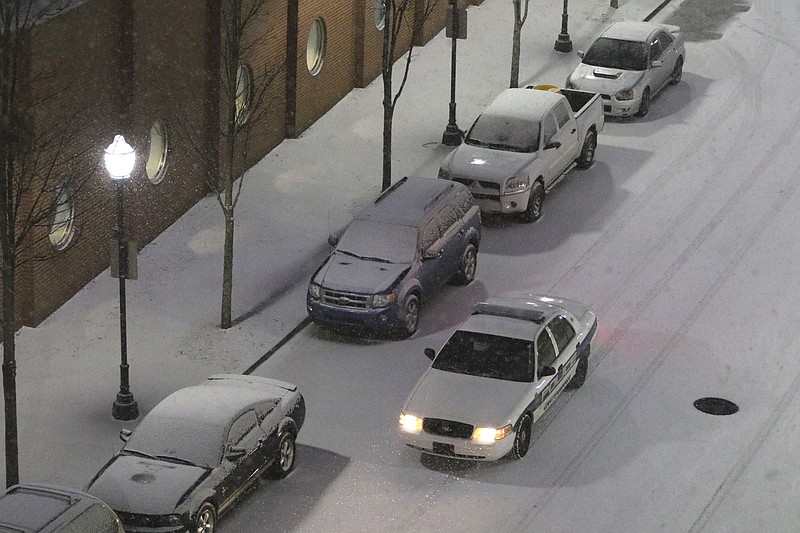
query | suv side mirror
(430,353)
(333,240)
(431,253)
(546,371)
(554,144)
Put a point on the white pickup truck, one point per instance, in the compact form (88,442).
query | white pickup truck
(522,144)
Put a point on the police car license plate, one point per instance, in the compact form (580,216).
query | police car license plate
(443,449)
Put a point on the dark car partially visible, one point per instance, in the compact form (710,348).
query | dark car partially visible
(198,450)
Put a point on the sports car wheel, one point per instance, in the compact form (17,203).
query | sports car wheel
(287,450)
(644,105)
(677,72)
(469,263)
(522,440)
(587,152)
(534,210)
(206,519)
(410,316)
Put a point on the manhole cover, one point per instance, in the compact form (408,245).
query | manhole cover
(716,406)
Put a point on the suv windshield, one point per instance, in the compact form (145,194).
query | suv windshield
(615,53)
(511,134)
(484,355)
(379,241)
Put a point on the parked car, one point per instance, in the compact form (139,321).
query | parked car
(496,375)
(199,449)
(43,508)
(629,63)
(522,145)
(418,235)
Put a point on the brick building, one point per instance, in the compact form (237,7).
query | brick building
(150,70)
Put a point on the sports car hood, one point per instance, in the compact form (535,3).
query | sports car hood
(139,485)
(347,273)
(604,80)
(485,164)
(479,401)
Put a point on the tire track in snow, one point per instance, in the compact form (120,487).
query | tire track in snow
(790,187)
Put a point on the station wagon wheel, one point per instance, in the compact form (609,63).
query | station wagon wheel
(677,72)
(644,105)
(410,315)
(206,518)
(287,450)
(533,212)
(468,266)
(587,151)
(522,439)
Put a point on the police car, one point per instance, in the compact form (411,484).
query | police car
(496,375)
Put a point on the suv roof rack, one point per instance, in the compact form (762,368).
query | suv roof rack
(533,315)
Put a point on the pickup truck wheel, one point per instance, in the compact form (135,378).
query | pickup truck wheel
(580,373)
(533,211)
(587,152)
(469,263)
(410,315)
(677,72)
(644,105)
(522,439)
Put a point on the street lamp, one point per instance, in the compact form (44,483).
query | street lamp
(452,135)
(119,161)
(563,42)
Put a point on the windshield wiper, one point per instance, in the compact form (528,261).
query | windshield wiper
(137,453)
(171,459)
(365,257)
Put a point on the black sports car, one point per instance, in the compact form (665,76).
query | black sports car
(199,449)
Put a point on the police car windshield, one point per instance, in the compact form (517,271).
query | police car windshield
(484,355)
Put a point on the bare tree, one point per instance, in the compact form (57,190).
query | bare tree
(520,15)
(401,19)
(244,92)
(42,172)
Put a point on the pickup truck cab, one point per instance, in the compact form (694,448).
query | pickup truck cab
(523,144)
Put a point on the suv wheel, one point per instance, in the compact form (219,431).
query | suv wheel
(469,263)
(410,316)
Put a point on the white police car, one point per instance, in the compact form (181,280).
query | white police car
(496,375)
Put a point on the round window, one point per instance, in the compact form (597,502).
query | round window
(315,53)
(380,13)
(244,94)
(156,165)
(62,217)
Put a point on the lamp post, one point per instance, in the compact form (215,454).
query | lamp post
(119,161)
(563,42)
(452,135)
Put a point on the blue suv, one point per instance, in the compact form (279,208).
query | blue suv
(418,235)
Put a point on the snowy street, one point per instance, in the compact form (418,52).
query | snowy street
(682,237)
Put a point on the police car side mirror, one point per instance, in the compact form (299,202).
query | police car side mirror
(333,240)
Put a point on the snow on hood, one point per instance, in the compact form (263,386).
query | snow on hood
(603,79)
(140,485)
(483,402)
(485,164)
(347,273)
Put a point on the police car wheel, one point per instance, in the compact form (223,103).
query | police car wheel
(522,439)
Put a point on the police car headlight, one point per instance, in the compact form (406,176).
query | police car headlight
(410,423)
(490,435)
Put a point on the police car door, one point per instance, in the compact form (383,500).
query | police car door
(545,377)
(567,356)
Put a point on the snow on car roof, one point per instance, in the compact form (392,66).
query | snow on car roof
(630,30)
(213,405)
(408,201)
(521,102)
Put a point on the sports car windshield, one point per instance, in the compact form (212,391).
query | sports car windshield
(489,356)
(378,241)
(615,53)
(177,438)
(511,134)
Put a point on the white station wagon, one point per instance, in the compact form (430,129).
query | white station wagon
(629,63)
(496,375)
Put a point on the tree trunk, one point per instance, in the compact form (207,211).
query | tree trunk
(227,268)
(388,115)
